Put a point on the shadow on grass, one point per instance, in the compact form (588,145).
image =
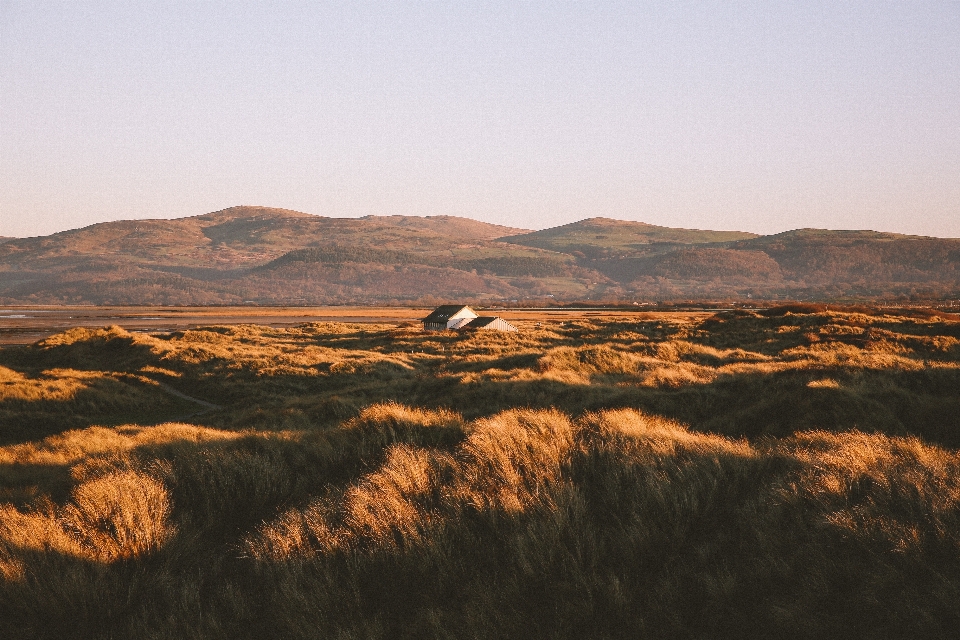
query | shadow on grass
(105,401)
(671,541)
(22,484)
(110,349)
(922,403)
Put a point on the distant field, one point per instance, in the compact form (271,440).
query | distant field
(27,324)
(792,472)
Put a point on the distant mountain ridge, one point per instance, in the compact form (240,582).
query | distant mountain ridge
(241,234)
(278,256)
(606,235)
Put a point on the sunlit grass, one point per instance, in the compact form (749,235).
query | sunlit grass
(789,475)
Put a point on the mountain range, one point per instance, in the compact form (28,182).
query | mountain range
(275,256)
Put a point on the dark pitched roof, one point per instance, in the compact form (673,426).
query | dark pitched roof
(443,312)
(480,321)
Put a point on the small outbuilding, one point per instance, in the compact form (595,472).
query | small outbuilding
(457,316)
(448,316)
(489,323)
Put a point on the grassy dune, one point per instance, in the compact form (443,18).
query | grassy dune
(793,474)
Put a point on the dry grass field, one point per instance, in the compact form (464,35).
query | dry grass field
(791,473)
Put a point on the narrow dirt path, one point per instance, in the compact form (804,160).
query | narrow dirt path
(207,406)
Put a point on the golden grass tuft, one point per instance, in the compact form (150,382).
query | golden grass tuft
(385,423)
(118,516)
(662,436)
(77,445)
(389,507)
(512,458)
(81,335)
(53,384)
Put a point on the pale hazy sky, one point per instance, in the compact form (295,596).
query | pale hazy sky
(758,116)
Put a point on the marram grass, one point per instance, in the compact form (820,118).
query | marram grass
(793,476)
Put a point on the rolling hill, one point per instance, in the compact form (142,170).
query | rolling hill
(227,257)
(604,237)
(238,236)
(278,256)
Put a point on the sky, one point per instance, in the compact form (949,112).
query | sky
(754,116)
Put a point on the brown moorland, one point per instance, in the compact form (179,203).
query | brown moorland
(280,257)
(793,473)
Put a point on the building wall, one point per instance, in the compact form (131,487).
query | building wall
(499,325)
(464,315)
